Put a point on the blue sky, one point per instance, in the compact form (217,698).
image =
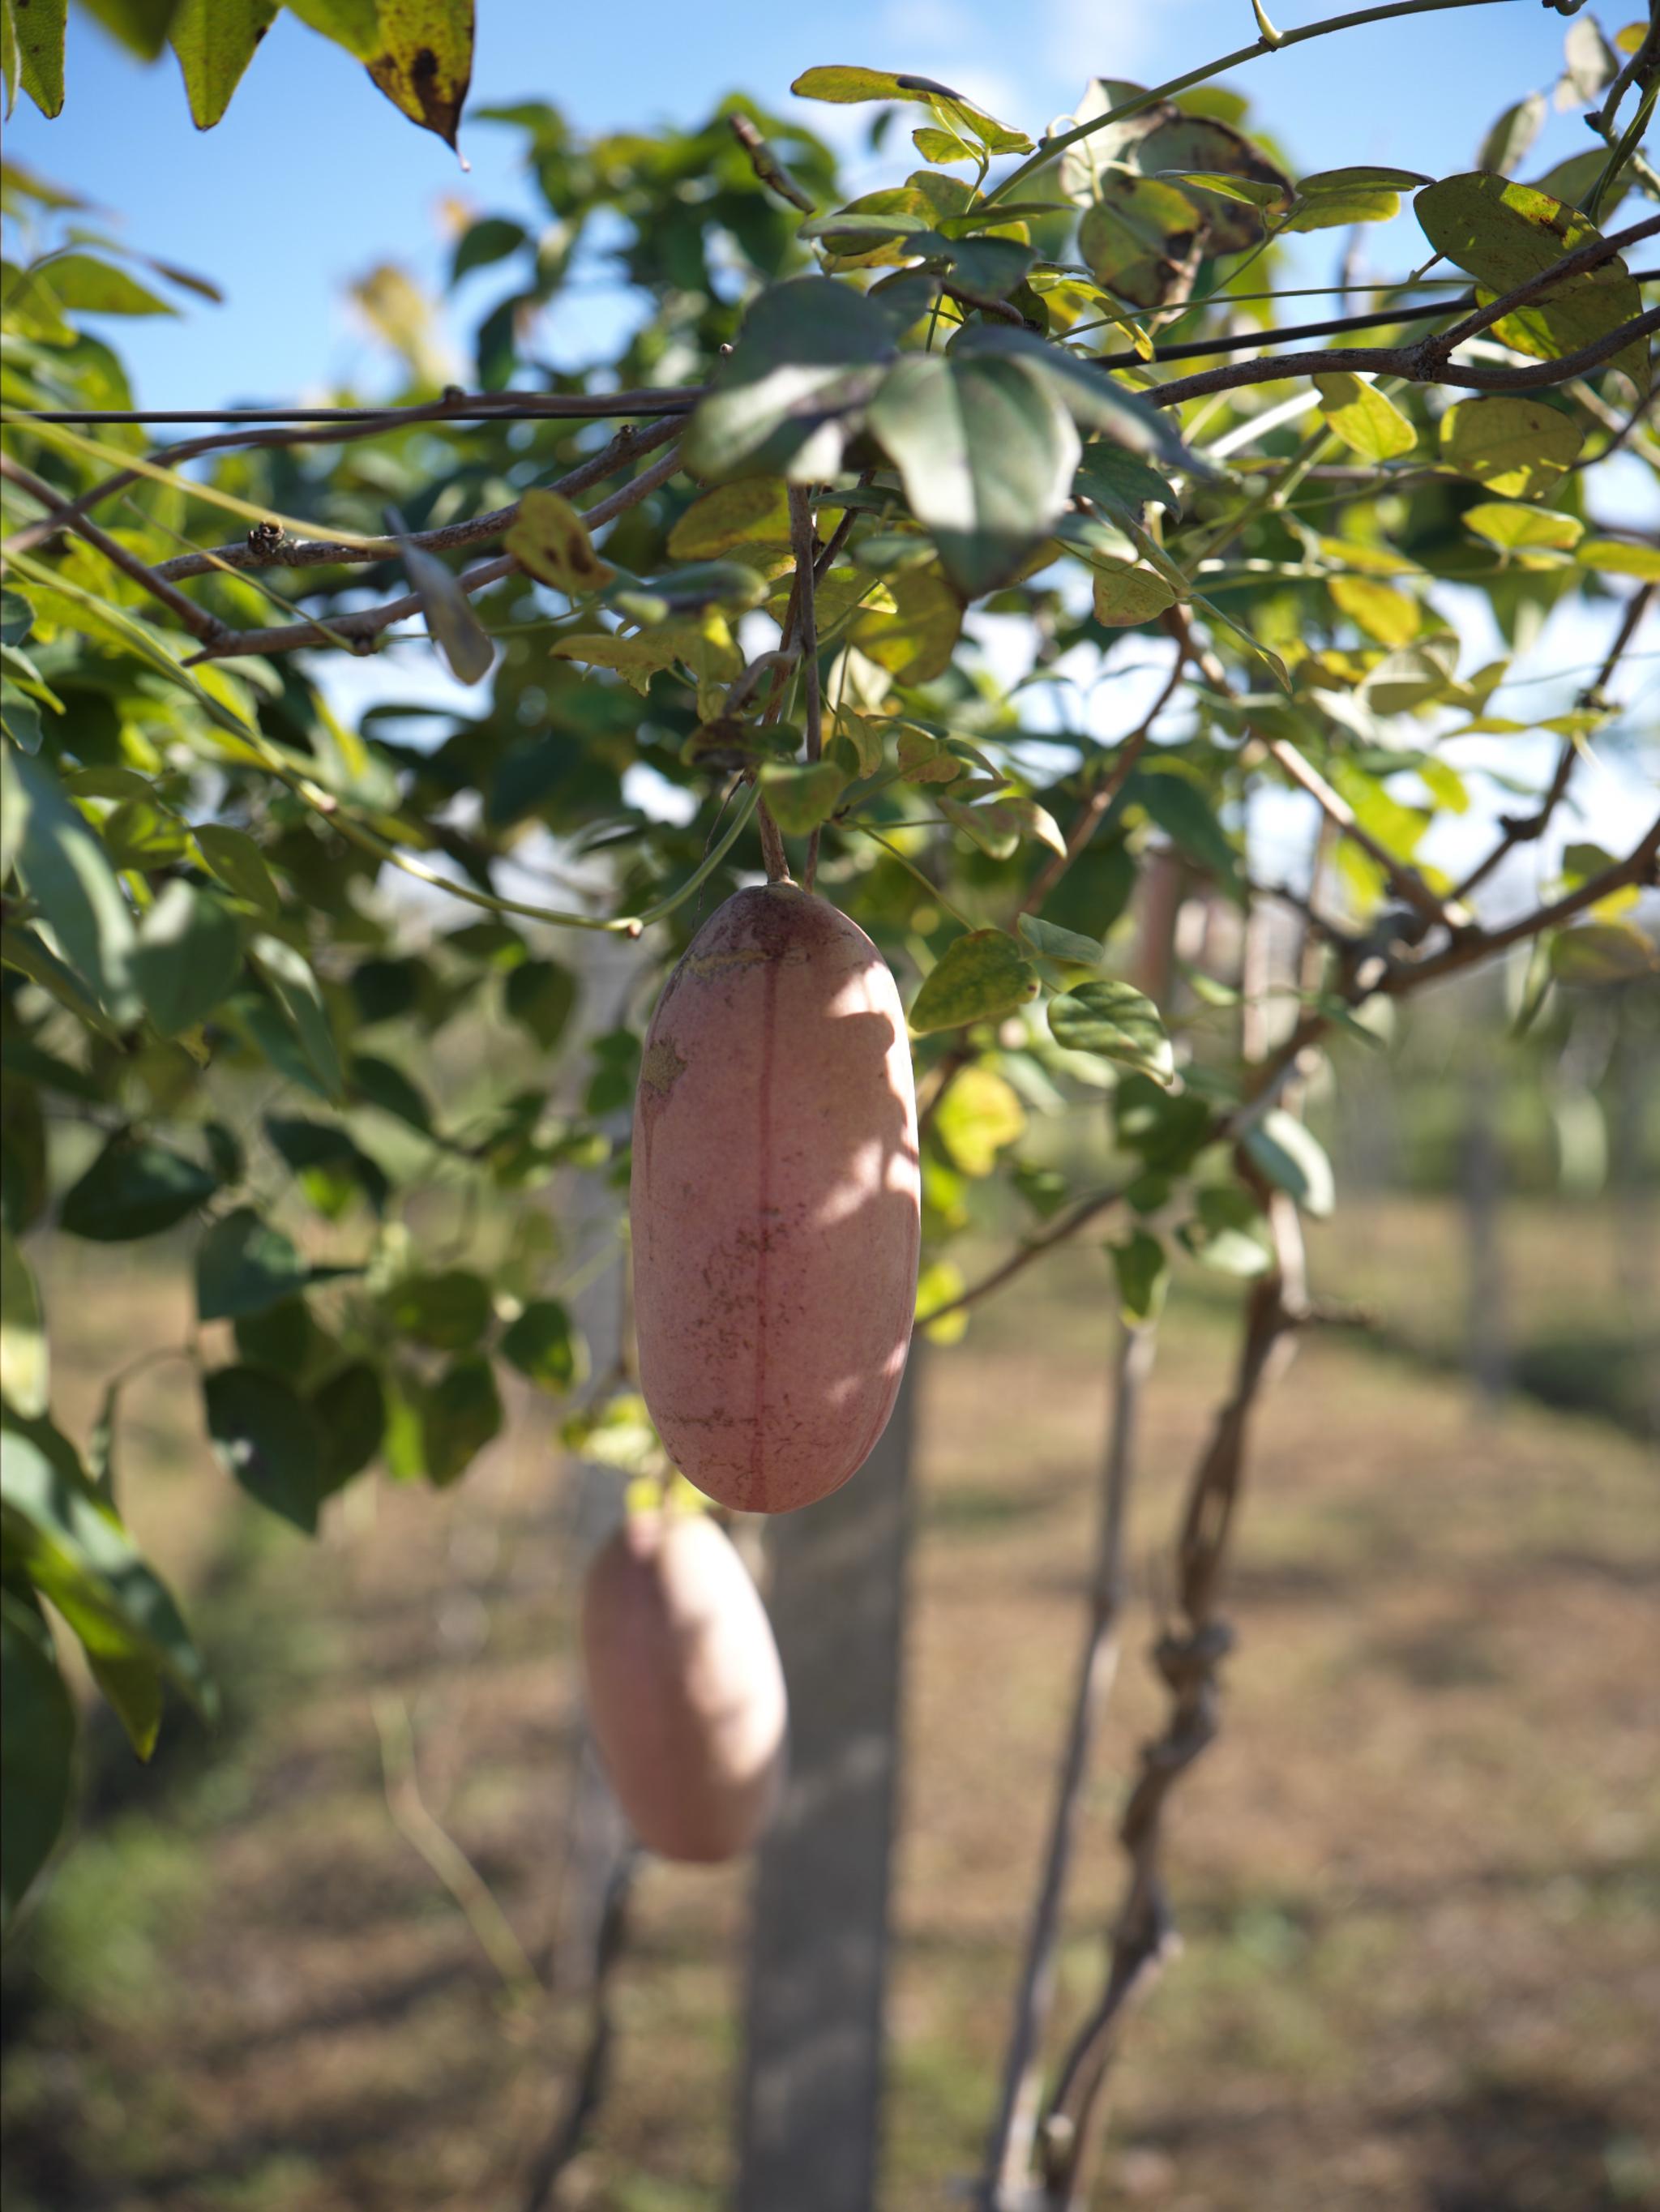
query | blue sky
(312,178)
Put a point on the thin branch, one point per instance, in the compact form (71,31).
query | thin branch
(1008,2153)
(1405,880)
(259,549)
(363,629)
(197,620)
(1577,263)
(767,165)
(463,407)
(1100,798)
(1524,828)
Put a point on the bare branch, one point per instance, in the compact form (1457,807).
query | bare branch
(1406,881)
(1577,263)
(804,543)
(1008,2153)
(258,551)
(362,630)
(197,620)
(1408,361)
(1523,829)
(766,164)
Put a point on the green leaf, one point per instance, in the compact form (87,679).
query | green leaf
(188,956)
(978,1115)
(851,86)
(542,1345)
(1057,944)
(349,1411)
(1117,1022)
(233,856)
(1143,1272)
(37,1750)
(1601,952)
(1185,815)
(244,1266)
(448,1310)
(1128,423)
(1510,137)
(800,795)
(284,1339)
(266,1437)
(454,626)
(140,24)
(1516,447)
(296,991)
(379,1084)
(549,540)
(987,454)
(459,1415)
(483,243)
(1515,529)
(99,287)
(977,978)
(214,42)
(1293,1160)
(39,35)
(25,1375)
(1114,478)
(810,354)
(1227,1232)
(1506,234)
(72,1545)
(1365,419)
(63,866)
(133,1188)
(331,1167)
(540,996)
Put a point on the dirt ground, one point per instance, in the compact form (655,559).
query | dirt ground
(1419,1877)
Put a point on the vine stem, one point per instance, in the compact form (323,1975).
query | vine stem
(1050,147)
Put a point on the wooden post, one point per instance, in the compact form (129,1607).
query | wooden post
(811,2096)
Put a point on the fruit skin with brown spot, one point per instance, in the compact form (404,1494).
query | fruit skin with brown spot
(776,1202)
(685,1690)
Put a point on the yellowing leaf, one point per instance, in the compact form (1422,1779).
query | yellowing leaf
(550,539)
(1516,447)
(754,509)
(1388,616)
(978,1115)
(1359,414)
(1615,558)
(1125,596)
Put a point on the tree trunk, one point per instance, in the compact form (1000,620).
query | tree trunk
(809,2125)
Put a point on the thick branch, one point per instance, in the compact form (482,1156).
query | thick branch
(1577,263)
(1408,361)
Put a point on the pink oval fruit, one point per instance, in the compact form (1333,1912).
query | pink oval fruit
(776,1202)
(685,1691)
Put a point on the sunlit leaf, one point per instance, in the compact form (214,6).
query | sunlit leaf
(1514,446)
(1115,1022)
(977,977)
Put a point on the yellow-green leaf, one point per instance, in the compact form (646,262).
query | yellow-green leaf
(1516,447)
(978,977)
(1615,558)
(1360,414)
(1128,595)
(800,794)
(978,1115)
(1388,616)
(214,42)
(1514,528)
(755,509)
(24,1373)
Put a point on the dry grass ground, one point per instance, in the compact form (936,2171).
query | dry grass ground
(1419,1875)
